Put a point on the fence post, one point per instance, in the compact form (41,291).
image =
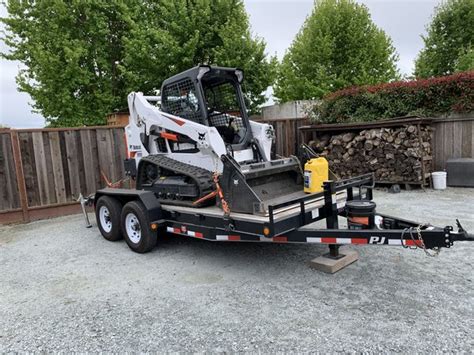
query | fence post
(20,178)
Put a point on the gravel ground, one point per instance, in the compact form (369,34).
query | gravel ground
(64,288)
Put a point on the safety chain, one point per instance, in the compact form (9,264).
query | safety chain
(225,205)
(419,242)
(115,184)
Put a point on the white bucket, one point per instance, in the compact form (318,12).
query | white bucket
(439,180)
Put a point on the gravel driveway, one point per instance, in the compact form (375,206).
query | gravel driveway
(65,288)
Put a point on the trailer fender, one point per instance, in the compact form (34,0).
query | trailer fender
(148,198)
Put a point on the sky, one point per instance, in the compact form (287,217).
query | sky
(277,22)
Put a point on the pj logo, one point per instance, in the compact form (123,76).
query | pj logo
(376,240)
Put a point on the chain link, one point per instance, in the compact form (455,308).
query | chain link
(419,242)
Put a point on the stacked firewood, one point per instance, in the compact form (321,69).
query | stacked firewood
(392,154)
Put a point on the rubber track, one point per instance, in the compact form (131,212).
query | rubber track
(201,177)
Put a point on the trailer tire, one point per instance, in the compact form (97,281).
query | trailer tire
(107,213)
(136,228)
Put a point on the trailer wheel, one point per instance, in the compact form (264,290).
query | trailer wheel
(107,213)
(136,228)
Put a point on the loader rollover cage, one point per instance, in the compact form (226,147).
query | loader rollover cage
(291,221)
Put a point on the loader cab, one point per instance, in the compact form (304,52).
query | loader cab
(211,96)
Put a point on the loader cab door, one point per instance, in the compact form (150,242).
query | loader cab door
(182,99)
(225,108)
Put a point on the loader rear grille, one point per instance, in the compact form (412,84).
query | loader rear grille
(223,105)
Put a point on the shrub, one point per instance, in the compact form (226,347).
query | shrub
(427,97)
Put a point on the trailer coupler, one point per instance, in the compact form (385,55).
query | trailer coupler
(462,234)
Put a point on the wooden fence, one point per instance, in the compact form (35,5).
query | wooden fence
(287,134)
(43,171)
(453,138)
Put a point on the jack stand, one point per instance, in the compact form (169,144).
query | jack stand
(83,202)
(334,252)
(334,261)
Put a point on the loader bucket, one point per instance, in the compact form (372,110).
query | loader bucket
(252,188)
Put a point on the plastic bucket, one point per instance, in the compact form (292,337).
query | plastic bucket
(439,180)
(360,214)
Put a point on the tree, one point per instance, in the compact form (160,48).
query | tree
(174,35)
(448,45)
(70,51)
(338,46)
(465,61)
(81,58)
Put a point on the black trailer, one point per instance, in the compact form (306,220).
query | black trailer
(140,218)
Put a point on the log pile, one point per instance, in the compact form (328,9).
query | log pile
(392,154)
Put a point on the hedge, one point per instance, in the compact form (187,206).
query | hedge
(427,97)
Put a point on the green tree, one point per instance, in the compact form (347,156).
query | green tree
(449,40)
(70,52)
(81,58)
(174,35)
(337,46)
(465,61)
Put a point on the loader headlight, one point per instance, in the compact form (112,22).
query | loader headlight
(270,132)
(203,70)
(239,74)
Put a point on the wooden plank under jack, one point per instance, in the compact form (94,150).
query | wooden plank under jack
(331,265)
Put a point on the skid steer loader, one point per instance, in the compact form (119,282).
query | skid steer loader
(197,136)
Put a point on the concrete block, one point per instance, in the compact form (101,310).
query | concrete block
(330,265)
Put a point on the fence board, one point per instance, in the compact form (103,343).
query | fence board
(5,203)
(64,161)
(57,167)
(80,163)
(119,151)
(40,163)
(72,163)
(95,160)
(29,168)
(9,193)
(466,139)
(88,162)
(457,139)
(50,183)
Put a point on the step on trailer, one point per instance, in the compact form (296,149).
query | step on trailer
(141,218)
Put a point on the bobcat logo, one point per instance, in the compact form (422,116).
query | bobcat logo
(202,136)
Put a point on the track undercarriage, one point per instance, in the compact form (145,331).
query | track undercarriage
(174,182)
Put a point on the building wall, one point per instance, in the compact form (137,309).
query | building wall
(292,109)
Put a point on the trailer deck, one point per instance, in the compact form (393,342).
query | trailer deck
(293,220)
